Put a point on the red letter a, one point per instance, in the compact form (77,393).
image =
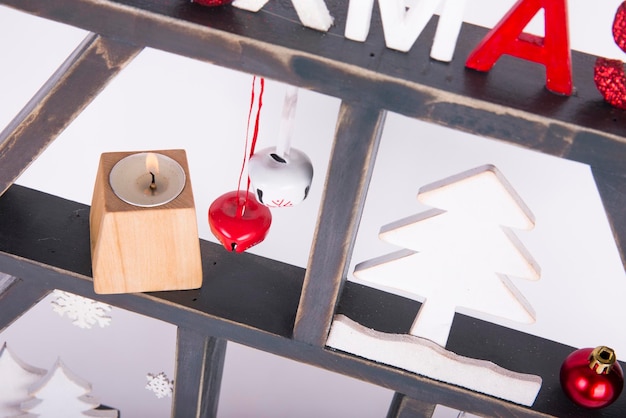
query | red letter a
(552,50)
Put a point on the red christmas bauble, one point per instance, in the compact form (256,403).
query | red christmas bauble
(239,222)
(592,377)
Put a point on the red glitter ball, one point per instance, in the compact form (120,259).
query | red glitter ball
(619,27)
(213,3)
(608,74)
(611,81)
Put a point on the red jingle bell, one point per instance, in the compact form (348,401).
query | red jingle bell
(592,377)
(239,221)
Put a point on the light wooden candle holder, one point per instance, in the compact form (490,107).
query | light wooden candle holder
(143,249)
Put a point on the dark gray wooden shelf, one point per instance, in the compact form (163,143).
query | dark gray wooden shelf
(282,309)
(44,241)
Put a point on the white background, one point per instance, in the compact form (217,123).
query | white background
(162,101)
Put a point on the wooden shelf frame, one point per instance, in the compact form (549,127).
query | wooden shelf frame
(509,104)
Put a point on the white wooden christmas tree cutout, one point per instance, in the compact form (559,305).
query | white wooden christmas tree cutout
(60,393)
(15,378)
(459,254)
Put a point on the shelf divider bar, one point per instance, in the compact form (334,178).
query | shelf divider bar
(199,369)
(405,407)
(357,136)
(17,297)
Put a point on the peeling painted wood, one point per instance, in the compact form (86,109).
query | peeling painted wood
(509,103)
(199,368)
(408,83)
(612,188)
(403,407)
(70,89)
(357,137)
(17,298)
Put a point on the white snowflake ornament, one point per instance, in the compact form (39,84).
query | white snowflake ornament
(160,385)
(83,312)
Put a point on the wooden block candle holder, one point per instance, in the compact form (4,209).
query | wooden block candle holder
(144,234)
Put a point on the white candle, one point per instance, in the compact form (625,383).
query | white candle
(147,179)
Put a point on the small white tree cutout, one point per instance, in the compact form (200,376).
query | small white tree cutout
(15,378)
(460,254)
(63,394)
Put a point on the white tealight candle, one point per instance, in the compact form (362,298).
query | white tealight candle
(147,179)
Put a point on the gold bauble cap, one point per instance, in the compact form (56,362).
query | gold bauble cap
(602,359)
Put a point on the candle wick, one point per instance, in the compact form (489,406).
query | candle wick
(153,185)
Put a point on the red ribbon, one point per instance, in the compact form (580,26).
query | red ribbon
(255,136)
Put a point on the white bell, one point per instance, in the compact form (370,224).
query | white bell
(280,181)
